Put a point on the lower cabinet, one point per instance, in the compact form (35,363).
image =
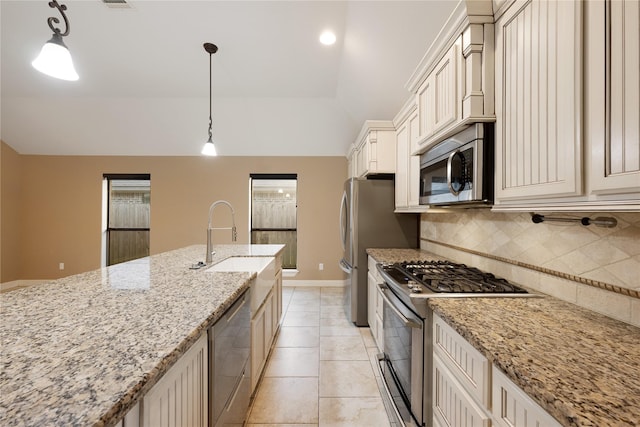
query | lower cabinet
(264,324)
(180,397)
(452,404)
(513,408)
(132,419)
(461,379)
(469,391)
(374,304)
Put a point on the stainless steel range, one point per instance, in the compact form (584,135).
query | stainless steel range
(406,362)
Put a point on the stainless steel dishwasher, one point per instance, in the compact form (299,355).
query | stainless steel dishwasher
(229,370)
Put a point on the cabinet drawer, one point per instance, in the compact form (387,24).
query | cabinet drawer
(373,270)
(469,366)
(513,408)
(452,406)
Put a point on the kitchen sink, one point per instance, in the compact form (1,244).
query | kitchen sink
(263,266)
(242,263)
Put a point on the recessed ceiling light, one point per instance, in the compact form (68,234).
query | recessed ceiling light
(327,38)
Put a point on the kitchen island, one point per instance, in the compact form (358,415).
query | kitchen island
(84,349)
(581,367)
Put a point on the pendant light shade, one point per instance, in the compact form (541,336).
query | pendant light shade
(55,59)
(209,149)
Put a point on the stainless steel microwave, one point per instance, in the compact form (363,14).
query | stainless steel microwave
(459,170)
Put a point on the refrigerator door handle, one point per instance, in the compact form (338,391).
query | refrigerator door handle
(343,228)
(344,266)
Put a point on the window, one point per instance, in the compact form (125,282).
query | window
(274,213)
(128,217)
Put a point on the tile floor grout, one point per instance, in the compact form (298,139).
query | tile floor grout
(320,371)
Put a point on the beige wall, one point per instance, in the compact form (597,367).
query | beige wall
(10,207)
(61,207)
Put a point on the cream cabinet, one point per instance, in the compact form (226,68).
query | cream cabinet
(452,404)
(470,391)
(407,179)
(352,161)
(461,380)
(613,97)
(513,408)
(181,395)
(278,297)
(375,149)
(453,83)
(438,97)
(132,419)
(375,304)
(261,338)
(567,100)
(538,100)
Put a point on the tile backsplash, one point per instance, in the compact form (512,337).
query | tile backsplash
(607,255)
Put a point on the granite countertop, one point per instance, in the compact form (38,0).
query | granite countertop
(84,349)
(580,366)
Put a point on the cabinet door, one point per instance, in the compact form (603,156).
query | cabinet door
(425,99)
(269,323)
(613,90)
(452,405)
(446,100)
(277,289)
(362,160)
(371,303)
(413,174)
(402,163)
(258,354)
(180,397)
(513,408)
(439,98)
(538,100)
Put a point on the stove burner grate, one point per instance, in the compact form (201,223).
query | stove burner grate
(449,277)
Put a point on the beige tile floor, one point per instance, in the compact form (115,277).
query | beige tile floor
(321,371)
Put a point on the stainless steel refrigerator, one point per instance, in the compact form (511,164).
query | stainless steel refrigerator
(367,220)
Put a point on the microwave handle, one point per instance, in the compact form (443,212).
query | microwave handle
(449,171)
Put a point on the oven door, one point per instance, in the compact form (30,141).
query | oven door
(402,362)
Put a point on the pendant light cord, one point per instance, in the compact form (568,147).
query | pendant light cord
(210,98)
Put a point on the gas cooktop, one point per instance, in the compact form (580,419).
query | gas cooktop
(433,279)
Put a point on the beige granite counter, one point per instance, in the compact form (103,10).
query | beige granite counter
(581,367)
(84,349)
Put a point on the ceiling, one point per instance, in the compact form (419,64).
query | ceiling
(144,75)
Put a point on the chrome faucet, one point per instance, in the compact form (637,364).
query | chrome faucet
(234,234)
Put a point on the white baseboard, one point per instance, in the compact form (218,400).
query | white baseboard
(19,284)
(314,283)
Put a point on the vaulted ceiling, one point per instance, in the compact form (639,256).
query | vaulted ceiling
(144,75)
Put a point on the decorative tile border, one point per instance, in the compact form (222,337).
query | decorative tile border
(596,284)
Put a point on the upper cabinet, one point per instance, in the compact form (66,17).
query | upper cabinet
(613,96)
(567,90)
(374,151)
(407,179)
(453,84)
(538,99)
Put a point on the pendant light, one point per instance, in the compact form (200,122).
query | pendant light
(55,59)
(209,149)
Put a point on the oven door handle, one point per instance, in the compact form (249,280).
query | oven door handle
(407,322)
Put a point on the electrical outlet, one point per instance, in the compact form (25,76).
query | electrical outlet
(321,266)
(61,266)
